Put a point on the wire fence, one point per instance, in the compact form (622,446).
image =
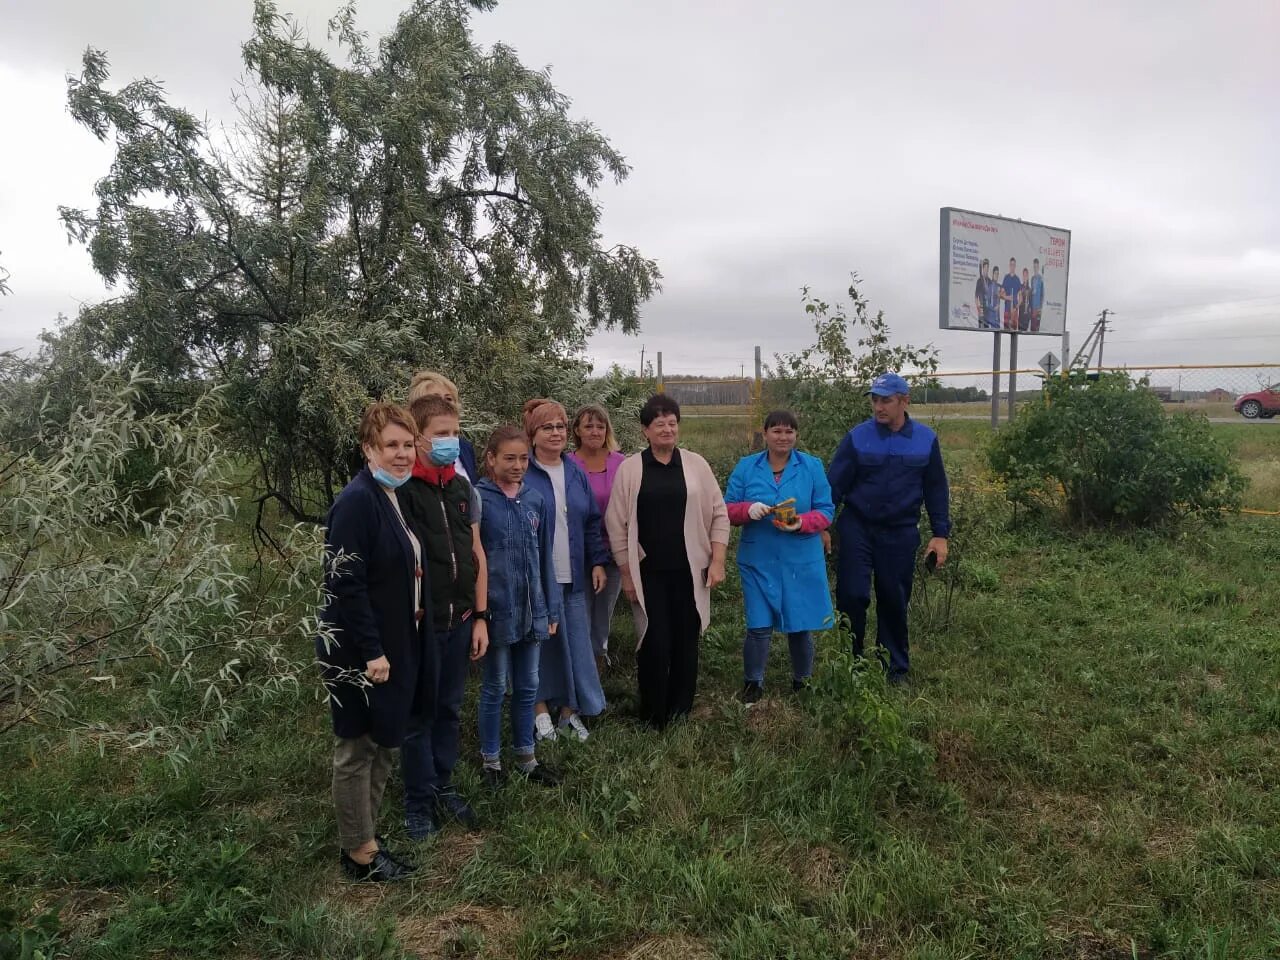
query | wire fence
(1231,390)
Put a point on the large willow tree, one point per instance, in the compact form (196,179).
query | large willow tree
(420,201)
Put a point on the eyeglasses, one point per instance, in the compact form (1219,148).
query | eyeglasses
(553,427)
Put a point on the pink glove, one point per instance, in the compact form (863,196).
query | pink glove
(815,521)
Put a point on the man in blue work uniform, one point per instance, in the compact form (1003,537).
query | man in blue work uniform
(882,471)
(1012,292)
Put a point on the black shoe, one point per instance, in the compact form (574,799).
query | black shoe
(397,857)
(899,679)
(751,692)
(421,824)
(494,778)
(541,776)
(381,869)
(449,801)
(799,686)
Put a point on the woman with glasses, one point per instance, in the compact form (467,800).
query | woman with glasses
(568,679)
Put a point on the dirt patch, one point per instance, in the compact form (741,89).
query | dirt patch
(955,754)
(672,947)
(463,931)
(822,869)
(1097,946)
(702,711)
(773,719)
(82,914)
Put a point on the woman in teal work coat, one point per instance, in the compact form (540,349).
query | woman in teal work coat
(782,499)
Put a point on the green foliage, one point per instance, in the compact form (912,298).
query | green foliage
(419,203)
(34,939)
(823,384)
(116,570)
(1106,453)
(850,698)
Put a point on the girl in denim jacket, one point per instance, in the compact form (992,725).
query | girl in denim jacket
(524,608)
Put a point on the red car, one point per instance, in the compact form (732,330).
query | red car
(1263,403)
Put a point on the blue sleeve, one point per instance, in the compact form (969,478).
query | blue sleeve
(597,555)
(736,489)
(822,501)
(550,588)
(350,533)
(936,494)
(843,470)
(467,454)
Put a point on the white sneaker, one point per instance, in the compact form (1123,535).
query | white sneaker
(543,729)
(575,724)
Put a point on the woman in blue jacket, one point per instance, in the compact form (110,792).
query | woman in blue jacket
(782,565)
(567,674)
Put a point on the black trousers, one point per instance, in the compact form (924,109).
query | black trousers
(667,663)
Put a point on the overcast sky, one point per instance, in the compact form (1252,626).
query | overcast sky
(777,145)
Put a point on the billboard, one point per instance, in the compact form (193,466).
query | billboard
(1001,274)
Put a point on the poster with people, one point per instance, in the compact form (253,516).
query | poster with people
(1001,274)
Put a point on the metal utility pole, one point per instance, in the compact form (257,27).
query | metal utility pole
(640,372)
(1091,342)
(1102,337)
(660,386)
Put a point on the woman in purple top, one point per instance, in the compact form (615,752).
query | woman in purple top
(596,452)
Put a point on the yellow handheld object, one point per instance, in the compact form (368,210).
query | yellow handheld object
(784,513)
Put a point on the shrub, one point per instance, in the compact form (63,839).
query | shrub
(823,384)
(101,588)
(1105,452)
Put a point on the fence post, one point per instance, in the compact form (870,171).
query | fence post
(661,389)
(995,381)
(757,407)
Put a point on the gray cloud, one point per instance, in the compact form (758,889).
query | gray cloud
(779,146)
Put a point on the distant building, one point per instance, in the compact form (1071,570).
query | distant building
(1164,393)
(1218,395)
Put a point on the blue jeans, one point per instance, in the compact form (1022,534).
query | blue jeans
(600,610)
(567,675)
(520,662)
(755,654)
(890,554)
(430,749)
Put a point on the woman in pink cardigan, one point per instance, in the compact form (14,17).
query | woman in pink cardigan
(668,530)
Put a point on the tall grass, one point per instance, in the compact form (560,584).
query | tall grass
(1084,767)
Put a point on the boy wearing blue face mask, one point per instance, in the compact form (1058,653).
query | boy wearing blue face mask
(443,504)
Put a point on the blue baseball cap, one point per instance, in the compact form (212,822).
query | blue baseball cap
(887,384)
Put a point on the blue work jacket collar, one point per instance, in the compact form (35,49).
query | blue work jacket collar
(792,461)
(906,431)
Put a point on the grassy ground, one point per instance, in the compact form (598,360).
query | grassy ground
(1085,767)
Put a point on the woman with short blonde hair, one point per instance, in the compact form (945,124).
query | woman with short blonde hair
(596,452)
(432,383)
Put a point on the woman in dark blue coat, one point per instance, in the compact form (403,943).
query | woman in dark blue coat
(374,634)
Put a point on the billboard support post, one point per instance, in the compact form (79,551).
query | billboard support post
(1066,352)
(1013,374)
(995,380)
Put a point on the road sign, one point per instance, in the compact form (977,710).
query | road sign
(1049,363)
